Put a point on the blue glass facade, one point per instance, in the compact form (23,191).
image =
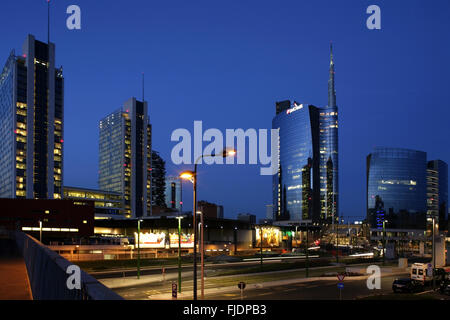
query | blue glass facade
(329,164)
(296,185)
(397,188)
(440,169)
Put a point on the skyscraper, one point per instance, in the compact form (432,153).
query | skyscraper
(158,180)
(125,156)
(306,186)
(329,160)
(397,178)
(296,194)
(438,191)
(31,123)
(173,193)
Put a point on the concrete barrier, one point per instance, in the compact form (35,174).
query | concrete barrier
(47,274)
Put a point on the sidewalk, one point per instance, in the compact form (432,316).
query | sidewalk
(14,284)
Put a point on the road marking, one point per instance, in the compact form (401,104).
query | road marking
(230,294)
(423,292)
(265,294)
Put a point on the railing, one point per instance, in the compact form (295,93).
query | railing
(48,278)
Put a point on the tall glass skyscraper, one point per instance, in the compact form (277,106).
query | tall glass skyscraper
(306,186)
(438,197)
(31,123)
(397,187)
(329,157)
(125,156)
(296,185)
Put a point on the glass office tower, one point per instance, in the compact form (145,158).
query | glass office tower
(31,123)
(329,157)
(397,186)
(296,185)
(125,156)
(307,184)
(438,196)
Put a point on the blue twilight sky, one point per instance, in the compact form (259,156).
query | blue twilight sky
(227,63)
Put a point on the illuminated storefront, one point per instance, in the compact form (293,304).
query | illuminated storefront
(271,237)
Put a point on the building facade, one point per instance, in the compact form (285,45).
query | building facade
(397,188)
(306,187)
(296,184)
(158,180)
(125,156)
(31,123)
(438,192)
(173,193)
(108,204)
(210,210)
(329,156)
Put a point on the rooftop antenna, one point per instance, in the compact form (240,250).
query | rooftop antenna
(142,87)
(48,21)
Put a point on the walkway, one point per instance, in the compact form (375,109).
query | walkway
(14,284)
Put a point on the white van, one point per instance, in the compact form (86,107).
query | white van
(419,272)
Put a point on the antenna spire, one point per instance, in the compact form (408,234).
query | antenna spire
(48,21)
(331,90)
(143,87)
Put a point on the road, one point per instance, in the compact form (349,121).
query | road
(316,290)
(155,270)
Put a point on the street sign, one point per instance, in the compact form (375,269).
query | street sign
(341,276)
(340,285)
(174,290)
(241,285)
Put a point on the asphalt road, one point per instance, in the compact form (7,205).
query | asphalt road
(155,270)
(316,290)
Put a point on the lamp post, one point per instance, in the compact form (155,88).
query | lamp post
(179,253)
(384,241)
(139,249)
(192,176)
(261,244)
(306,248)
(40,231)
(434,251)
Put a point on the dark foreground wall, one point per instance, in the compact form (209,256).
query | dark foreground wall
(48,277)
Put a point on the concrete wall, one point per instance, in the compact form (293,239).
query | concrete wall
(48,278)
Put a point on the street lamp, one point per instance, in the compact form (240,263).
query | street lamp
(40,231)
(192,176)
(179,252)
(384,241)
(434,251)
(139,248)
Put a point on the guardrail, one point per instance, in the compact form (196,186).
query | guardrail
(48,278)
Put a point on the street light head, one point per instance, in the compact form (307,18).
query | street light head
(187,175)
(229,152)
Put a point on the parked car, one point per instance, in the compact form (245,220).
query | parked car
(445,287)
(407,285)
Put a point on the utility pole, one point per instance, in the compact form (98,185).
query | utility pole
(434,253)
(139,250)
(307,254)
(261,245)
